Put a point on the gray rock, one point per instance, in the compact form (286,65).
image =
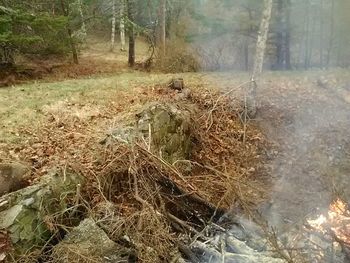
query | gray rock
(23,213)
(166,128)
(88,243)
(177,84)
(169,130)
(12,176)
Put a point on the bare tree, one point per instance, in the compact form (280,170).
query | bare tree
(331,38)
(250,100)
(262,38)
(162,26)
(113,25)
(130,7)
(122,25)
(283,35)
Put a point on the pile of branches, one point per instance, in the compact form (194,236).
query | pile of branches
(144,202)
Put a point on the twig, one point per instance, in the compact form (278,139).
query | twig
(210,115)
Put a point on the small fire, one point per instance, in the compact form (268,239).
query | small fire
(336,222)
(318,223)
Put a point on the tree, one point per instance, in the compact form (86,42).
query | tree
(162,26)
(122,25)
(65,11)
(81,13)
(331,38)
(259,56)
(283,35)
(29,32)
(262,38)
(130,7)
(114,18)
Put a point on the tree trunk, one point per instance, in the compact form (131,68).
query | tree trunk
(307,36)
(113,26)
(283,35)
(288,65)
(65,11)
(312,38)
(162,26)
(131,60)
(262,39)
(122,25)
(321,33)
(330,45)
(280,36)
(250,100)
(83,25)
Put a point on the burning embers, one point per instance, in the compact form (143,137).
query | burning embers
(335,224)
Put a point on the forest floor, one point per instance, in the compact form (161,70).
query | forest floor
(298,145)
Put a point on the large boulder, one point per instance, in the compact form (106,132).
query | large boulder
(23,213)
(88,243)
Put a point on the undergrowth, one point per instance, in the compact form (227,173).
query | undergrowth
(140,200)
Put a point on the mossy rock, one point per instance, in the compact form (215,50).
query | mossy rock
(166,125)
(88,243)
(23,213)
(169,129)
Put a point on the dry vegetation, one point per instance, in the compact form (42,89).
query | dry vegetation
(130,190)
(141,201)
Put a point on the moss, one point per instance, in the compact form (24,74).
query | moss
(23,213)
(169,130)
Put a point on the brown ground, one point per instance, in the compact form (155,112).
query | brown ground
(94,59)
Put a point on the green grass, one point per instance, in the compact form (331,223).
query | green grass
(21,105)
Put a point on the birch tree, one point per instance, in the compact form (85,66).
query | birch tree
(262,39)
(162,26)
(250,101)
(113,25)
(83,24)
(122,25)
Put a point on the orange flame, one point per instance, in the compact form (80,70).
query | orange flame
(337,221)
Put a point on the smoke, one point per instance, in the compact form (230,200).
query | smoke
(311,167)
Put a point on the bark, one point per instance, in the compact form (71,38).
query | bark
(250,100)
(321,33)
(307,36)
(330,45)
(279,36)
(113,26)
(65,11)
(262,39)
(287,37)
(162,26)
(131,60)
(283,35)
(122,25)
(312,39)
